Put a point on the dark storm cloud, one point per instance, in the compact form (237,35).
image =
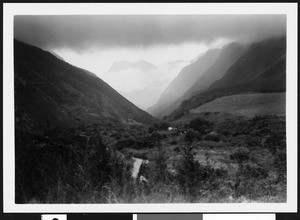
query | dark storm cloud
(105,31)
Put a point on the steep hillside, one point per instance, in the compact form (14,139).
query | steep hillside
(51,93)
(228,56)
(247,105)
(185,79)
(257,59)
(262,68)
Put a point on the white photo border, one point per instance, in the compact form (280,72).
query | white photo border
(12,9)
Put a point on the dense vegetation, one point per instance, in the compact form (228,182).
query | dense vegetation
(77,139)
(200,159)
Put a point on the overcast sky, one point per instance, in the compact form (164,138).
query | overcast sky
(94,42)
(165,37)
(112,31)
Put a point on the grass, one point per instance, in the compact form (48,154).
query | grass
(231,159)
(246,104)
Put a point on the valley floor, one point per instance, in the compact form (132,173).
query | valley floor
(211,155)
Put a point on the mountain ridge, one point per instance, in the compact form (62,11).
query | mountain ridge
(51,93)
(261,68)
(124,65)
(184,80)
(228,56)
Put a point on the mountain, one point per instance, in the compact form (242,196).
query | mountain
(228,56)
(124,65)
(51,93)
(255,61)
(185,79)
(57,56)
(140,82)
(261,68)
(175,66)
(143,65)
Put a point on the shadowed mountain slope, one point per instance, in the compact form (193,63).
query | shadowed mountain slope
(185,79)
(51,93)
(228,56)
(256,60)
(262,68)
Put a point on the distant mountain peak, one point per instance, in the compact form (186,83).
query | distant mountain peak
(143,65)
(119,65)
(142,62)
(124,65)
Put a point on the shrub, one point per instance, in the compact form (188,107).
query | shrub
(210,144)
(178,113)
(212,137)
(248,177)
(161,125)
(200,125)
(240,155)
(177,149)
(156,136)
(150,129)
(280,165)
(255,172)
(191,136)
(276,140)
(193,177)
(98,165)
(51,172)
(116,135)
(164,136)
(161,164)
(126,135)
(253,141)
(128,142)
(173,142)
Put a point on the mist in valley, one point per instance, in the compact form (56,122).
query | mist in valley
(150,108)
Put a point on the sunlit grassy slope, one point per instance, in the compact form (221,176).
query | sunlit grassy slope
(246,104)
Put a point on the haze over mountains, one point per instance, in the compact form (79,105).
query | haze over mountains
(260,68)
(253,64)
(141,82)
(228,56)
(184,80)
(192,78)
(52,93)
(152,62)
(214,85)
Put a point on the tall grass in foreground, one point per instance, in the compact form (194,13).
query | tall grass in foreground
(71,168)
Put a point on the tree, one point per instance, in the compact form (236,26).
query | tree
(161,164)
(188,173)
